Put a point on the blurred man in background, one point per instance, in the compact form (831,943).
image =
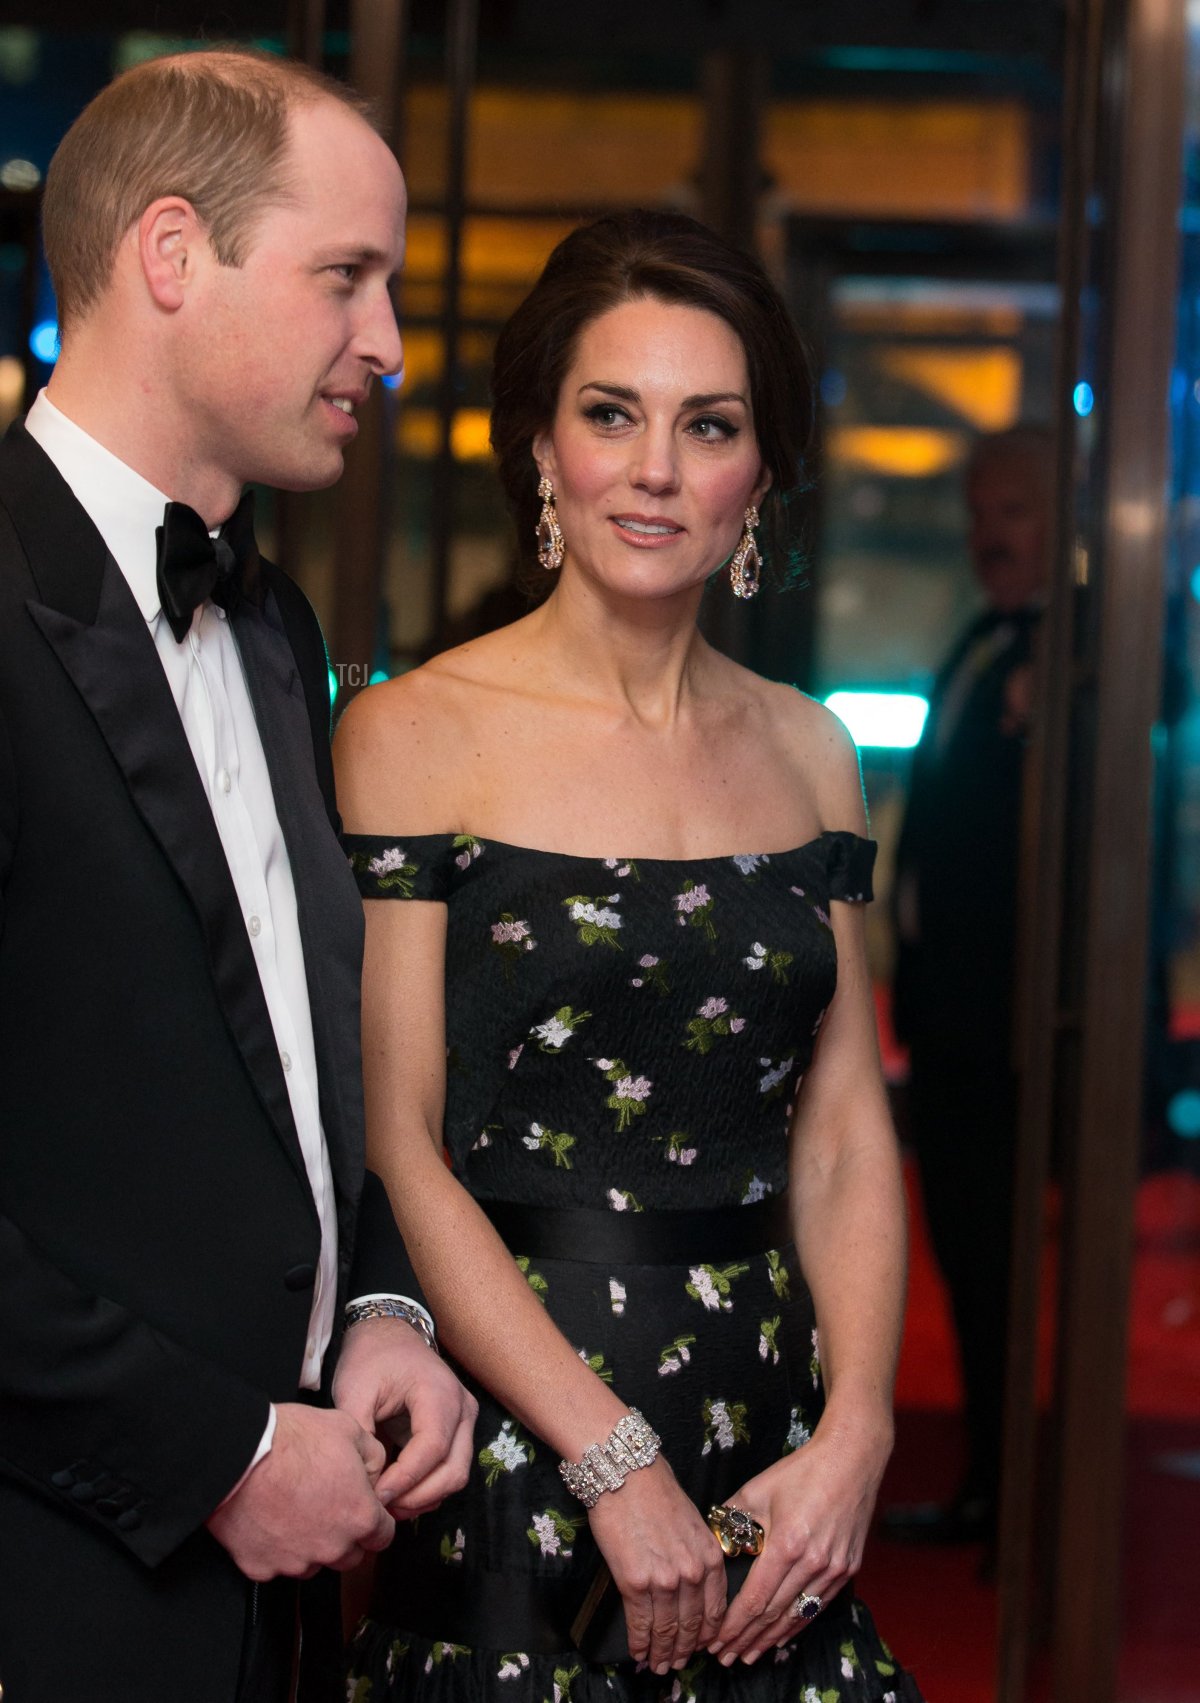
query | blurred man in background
(956,921)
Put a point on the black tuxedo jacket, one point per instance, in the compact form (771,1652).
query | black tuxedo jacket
(158,1237)
(954,990)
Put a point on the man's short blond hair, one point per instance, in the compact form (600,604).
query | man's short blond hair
(210,126)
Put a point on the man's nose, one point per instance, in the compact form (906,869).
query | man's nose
(380,345)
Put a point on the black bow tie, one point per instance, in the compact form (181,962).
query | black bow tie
(193,566)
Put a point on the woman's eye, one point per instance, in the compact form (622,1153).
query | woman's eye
(606,414)
(711,427)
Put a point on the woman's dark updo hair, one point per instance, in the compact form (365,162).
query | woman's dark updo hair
(671,258)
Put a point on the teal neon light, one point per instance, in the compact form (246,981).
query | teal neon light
(889,721)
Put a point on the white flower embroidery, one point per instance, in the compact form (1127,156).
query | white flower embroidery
(847,1668)
(775,1075)
(553,1033)
(633,1088)
(748,862)
(484,1140)
(647,961)
(507,1448)
(706,1289)
(686,903)
(722,1426)
(616,863)
(713,1008)
(604,1064)
(388,862)
(515,1055)
(512,1667)
(681,1155)
(616,1295)
(757,958)
(756,1189)
(798,1431)
(601,917)
(618,1200)
(736,1025)
(549,1541)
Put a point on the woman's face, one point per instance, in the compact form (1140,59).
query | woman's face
(652,449)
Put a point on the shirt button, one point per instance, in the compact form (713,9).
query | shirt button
(223,780)
(255,926)
(285,1060)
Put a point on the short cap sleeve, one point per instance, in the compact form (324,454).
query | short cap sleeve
(850,862)
(390,866)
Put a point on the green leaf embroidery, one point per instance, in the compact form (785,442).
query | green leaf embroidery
(534,1279)
(675,1355)
(451,1547)
(768,1343)
(563,1680)
(557,1142)
(596,1363)
(714,1018)
(778,1273)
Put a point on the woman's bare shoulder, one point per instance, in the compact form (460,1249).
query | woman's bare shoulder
(820,746)
(403,747)
(392,756)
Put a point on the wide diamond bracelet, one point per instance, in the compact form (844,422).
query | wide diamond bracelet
(632,1443)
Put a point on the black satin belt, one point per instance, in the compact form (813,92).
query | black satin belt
(641,1238)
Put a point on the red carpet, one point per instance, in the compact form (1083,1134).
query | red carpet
(930,1606)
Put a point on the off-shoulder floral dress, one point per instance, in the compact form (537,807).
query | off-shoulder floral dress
(625,1037)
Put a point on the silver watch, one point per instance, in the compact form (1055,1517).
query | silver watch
(632,1443)
(388,1308)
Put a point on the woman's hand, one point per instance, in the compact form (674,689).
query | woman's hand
(815,1507)
(666,1564)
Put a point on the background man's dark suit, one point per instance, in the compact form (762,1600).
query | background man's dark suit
(955,909)
(957,858)
(158,1237)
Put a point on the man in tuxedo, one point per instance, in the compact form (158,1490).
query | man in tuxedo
(956,918)
(192,1418)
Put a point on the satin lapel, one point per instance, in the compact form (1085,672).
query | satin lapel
(328,906)
(116,672)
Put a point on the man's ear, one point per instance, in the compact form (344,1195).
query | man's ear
(170,241)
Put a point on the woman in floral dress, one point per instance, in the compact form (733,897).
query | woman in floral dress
(629,877)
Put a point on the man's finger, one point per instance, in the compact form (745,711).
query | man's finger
(382,1531)
(372,1453)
